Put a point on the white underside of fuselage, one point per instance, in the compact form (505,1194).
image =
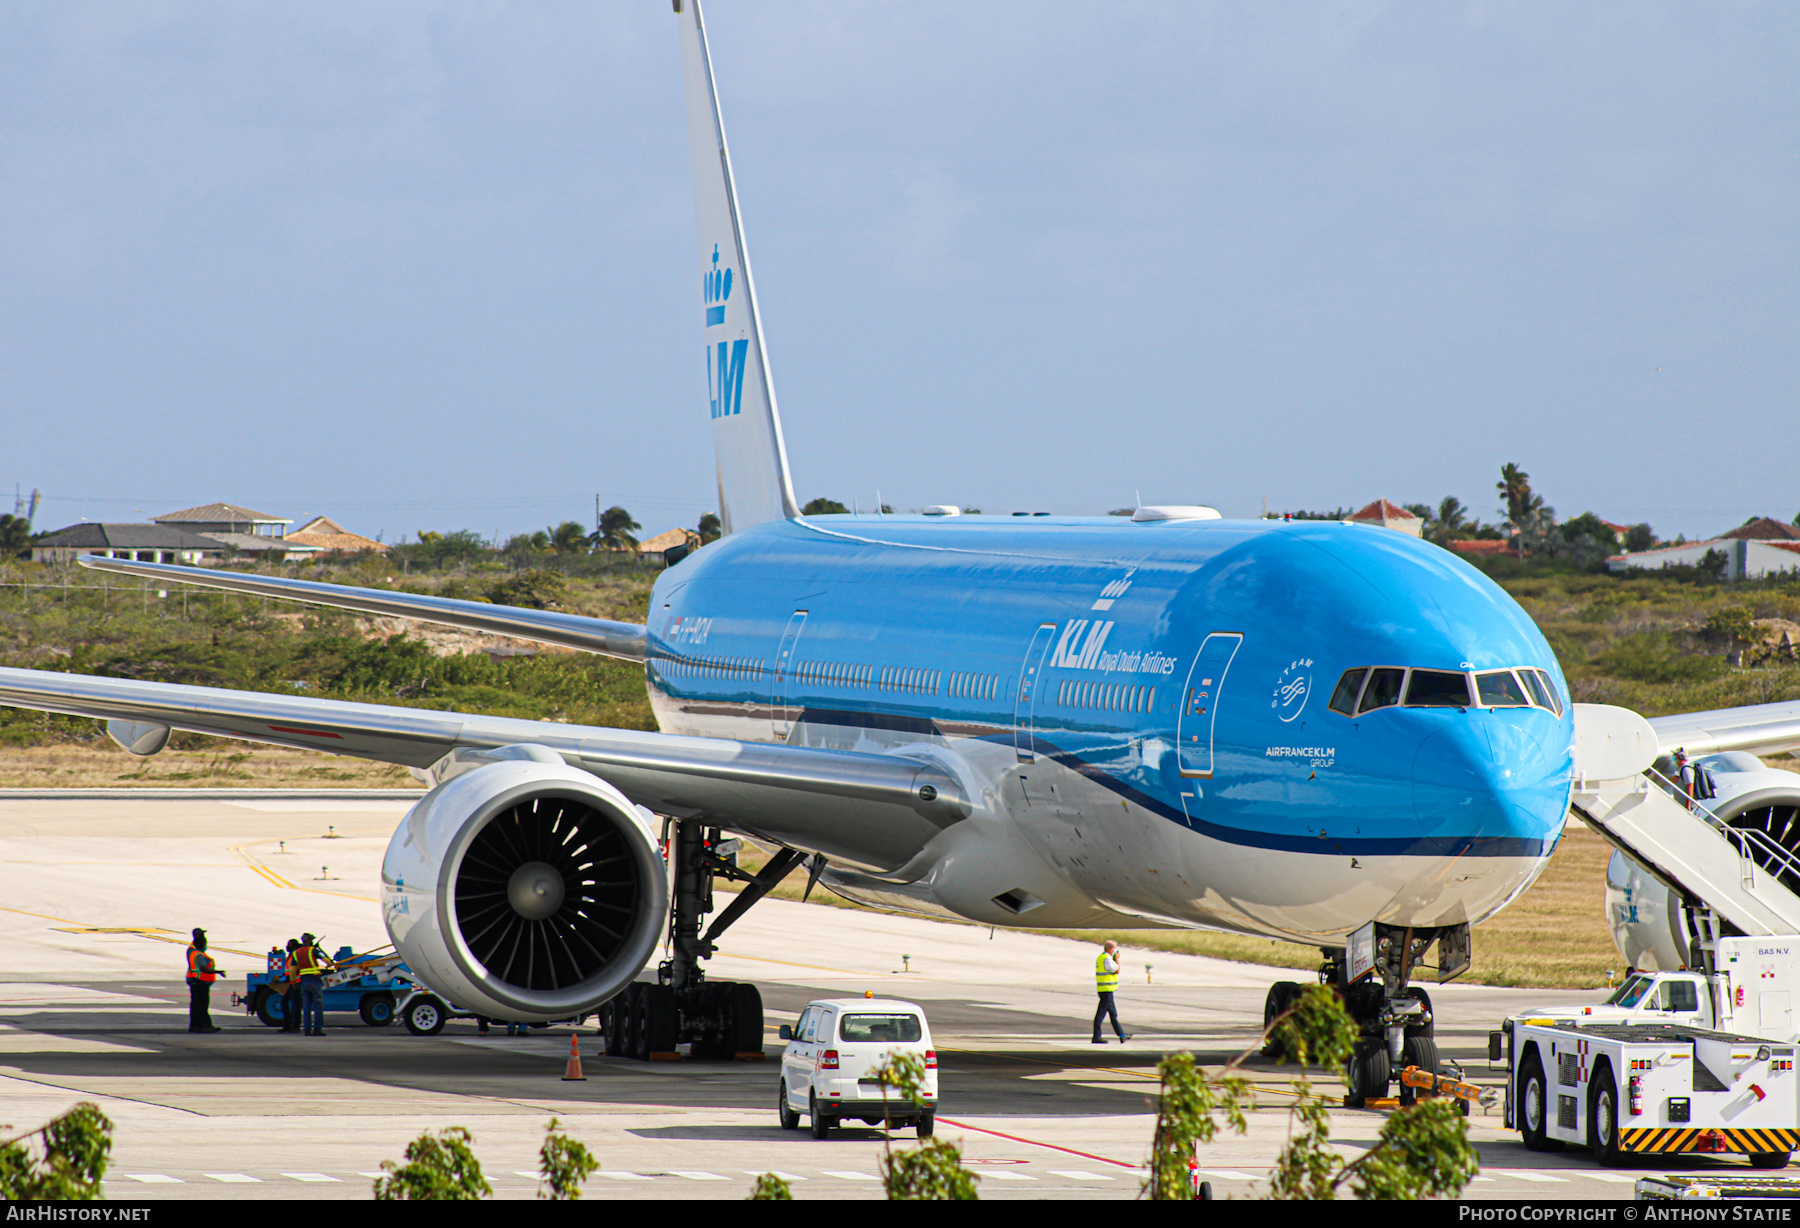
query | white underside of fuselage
(1076,854)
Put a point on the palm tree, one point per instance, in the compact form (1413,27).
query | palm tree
(568,537)
(615,531)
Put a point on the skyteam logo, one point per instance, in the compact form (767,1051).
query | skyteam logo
(717,289)
(1291,689)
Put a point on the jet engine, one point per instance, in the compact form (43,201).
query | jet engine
(525,889)
(1653,926)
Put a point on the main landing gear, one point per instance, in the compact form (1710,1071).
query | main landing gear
(1394,1019)
(717,1019)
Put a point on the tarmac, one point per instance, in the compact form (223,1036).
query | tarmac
(100,893)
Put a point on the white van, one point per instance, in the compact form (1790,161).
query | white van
(828,1067)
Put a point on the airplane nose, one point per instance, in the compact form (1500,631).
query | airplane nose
(1492,777)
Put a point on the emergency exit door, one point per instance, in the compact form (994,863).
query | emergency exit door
(1031,676)
(1200,702)
(784,672)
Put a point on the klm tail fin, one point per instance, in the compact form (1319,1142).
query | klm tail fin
(754,486)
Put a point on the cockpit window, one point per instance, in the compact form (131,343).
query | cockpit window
(1383,690)
(1500,689)
(1437,688)
(1542,693)
(1343,700)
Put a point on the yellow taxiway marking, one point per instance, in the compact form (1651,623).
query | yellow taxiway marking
(244,855)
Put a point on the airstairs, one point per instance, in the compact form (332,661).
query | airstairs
(1741,876)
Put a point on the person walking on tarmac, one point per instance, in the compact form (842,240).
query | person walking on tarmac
(201,973)
(312,964)
(1106,981)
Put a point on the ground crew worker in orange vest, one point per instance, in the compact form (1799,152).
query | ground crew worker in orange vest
(1106,980)
(312,964)
(201,973)
(290,997)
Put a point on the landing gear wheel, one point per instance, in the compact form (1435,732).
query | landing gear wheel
(636,1037)
(612,1026)
(268,1005)
(1534,1106)
(1367,1078)
(1281,999)
(1421,1052)
(927,1124)
(377,1009)
(1603,1119)
(821,1124)
(745,1030)
(1771,1159)
(659,1020)
(789,1119)
(425,1016)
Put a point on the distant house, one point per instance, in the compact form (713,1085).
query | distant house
(244,531)
(144,543)
(324,534)
(1388,516)
(1487,547)
(662,543)
(1763,547)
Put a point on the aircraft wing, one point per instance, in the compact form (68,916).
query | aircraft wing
(1761,729)
(873,810)
(613,639)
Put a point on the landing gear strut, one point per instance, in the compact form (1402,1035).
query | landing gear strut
(718,1019)
(1394,1019)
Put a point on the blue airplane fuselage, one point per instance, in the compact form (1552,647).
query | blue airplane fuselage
(1142,709)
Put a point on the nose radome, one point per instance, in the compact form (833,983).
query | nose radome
(1486,777)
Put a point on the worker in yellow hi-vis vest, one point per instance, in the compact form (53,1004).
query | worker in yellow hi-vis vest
(1106,981)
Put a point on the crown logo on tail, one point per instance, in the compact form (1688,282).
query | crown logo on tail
(717,289)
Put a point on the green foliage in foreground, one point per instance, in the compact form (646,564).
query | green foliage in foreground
(439,1168)
(67,1164)
(1424,1150)
(564,1164)
(770,1188)
(933,1171)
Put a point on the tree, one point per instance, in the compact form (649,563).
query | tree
(932,1171)
(439,1168)
(569,537)
(615,531)
(824,507)
(710,529)
(564,1164)
(1526,512)
(1423,1151)
(1639,537)
(15,535)
(76,1148)
(537,589)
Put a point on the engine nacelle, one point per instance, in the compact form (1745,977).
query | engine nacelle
(1649,922)
(525,890)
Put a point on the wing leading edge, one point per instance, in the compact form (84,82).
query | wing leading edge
(875,811)
(598,635)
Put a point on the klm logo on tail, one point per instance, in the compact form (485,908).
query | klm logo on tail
(717,289)
(725,360)
(726,390)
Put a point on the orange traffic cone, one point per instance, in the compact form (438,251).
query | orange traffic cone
(572,1072)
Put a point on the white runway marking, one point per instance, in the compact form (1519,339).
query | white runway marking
(231,1178)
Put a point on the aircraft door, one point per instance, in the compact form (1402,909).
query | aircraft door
(1031,672)
(1200,702)
(784,669)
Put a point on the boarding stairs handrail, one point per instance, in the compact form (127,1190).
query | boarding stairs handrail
(1659,827)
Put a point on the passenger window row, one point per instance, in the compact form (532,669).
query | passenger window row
(1106,696)
(1370,687)
(712,667)
(835,673)
(973,686)
(913,681)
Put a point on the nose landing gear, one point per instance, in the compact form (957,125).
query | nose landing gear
(1395,1025)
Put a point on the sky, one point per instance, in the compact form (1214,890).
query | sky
(433,265)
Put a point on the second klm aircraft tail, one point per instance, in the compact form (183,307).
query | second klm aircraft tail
(754,486)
